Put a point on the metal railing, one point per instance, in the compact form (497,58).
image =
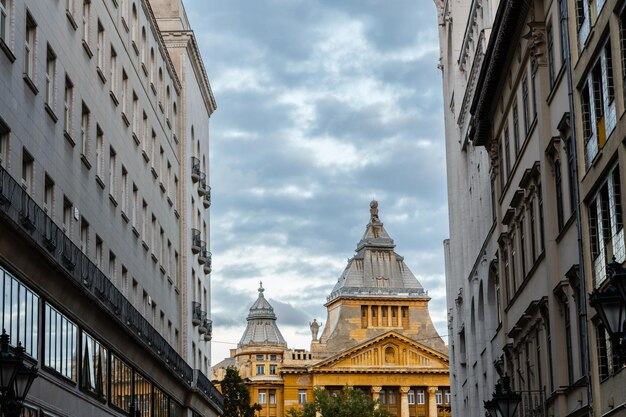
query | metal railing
(207,261)
(208,389)
(206,199)
(24,213)
(196,313)
(195,169)
(533,404)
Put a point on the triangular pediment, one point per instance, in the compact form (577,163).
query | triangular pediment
(391,351)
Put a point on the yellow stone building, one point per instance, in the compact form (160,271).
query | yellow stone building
(378,337)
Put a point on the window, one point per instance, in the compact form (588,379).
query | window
(582,21)
(144,46)
(420,396)
(516,128)
(98,259)
(51,68)
(29,47)
(260,369)
(20,313)
(124,196)
(598,104)
(99,151)
(558,185)
(67,106)
(4,144)
(60,343)
(133,211)
(411,397)
(100,48)
(550,46)
(160,404)
(4,20)
(144,219)
(272,357)
(112,267)
(113,70)
(135,115)
(67,216)
(134,26)
(606,226)
(447,397)
(48,195)
(563,28)
(438,398)
(86,10)
(124,92)
(121,380)
(94,367)
(525,105)
(507,151)
(261,397)
(112,163)
(84,235)
(272,396)
(69,6)
(84,131)
(143,396)
(301,396)
(27,170)
(272,369)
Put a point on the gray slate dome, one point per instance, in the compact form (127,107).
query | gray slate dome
(376,270)
(262,328)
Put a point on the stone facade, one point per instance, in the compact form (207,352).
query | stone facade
(104,105)
(378,336)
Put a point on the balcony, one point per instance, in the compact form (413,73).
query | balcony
(202,329)
(208,325)
(195,169)
(196,313)
(206,199)
(202,187)
(207,264)
(196,242)
(20,211)
(203,258)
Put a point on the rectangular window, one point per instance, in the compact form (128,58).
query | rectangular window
(144,220)
(4,144)
(582,22)
(67,216)
(550,46)
(84,131)
(112,267)
(135,115)
(27,171)
(606,227)
(438,398)
(100,47)
(86,17)
(133,210)
(516,128)
(67,106)
(112,163)
(51,69)
(260,369)
(160,404)
(113,70)
(30,50)
(558,185)
(60,343)
(48,195)
(121,380)
(99,259)
(598,104)
(124,196)
(301,396)
(94,367)
(20,313)
(124,92)
(4,21)
(84,235)
(411,397)
(507,151)
(420,396)
(261,397)
(99,151)
(272,369)
(143,396)
(447,397)
(272,397)
(525,105)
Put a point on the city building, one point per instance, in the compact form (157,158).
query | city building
(104,197)
(534,187)
(378,337)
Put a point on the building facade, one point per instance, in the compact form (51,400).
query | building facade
(104,197)
(533,140)
(378,337)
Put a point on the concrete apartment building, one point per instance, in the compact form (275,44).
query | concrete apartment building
(516,296)
(104,206)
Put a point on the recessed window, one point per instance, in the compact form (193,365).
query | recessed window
(100,49)
(67,216)
(48,195)
(86,17)
(124,196)
(260,369)
(112,163)
(27,170)
(4,143)
(301,396)
(99,151)
(113,70)
(5,8)
(51,68)
(84,130)
(30,53)
(262,397)
(67,106)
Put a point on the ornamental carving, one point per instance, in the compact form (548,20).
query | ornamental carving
(536,37)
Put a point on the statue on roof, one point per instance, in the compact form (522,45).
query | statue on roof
(374,211)
(315,328)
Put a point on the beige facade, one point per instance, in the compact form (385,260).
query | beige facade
(104,118)
(516,300)
(378,337)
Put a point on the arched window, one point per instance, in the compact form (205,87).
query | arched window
(160,85)
(167,102)
(144,46)
(134,24)
(152,66)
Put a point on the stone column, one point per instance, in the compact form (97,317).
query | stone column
(376,393)
(404,401)
(388,316)
(432,405)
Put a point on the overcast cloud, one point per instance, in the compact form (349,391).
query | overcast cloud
(322,106)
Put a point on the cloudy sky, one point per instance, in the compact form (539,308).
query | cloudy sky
(322,106)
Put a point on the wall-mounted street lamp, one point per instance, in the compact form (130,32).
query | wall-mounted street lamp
(504,401)
(16,377)
(610,304)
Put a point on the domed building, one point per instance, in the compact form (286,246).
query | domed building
(378,337)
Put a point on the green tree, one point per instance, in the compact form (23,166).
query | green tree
(350,402)
(236,395)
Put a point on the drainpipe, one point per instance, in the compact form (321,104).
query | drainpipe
(582,292)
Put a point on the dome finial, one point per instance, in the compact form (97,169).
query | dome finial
(261,289)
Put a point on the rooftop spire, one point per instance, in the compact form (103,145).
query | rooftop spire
(262,328)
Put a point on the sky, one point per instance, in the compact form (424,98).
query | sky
(323,105)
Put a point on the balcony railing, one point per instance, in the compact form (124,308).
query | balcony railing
(196,241)
(208,325)
(21,210)
(195,169)
(196,313)
(206,200)
(202,329)
(533,404)
(202,184)
(207,256)
(203,256)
